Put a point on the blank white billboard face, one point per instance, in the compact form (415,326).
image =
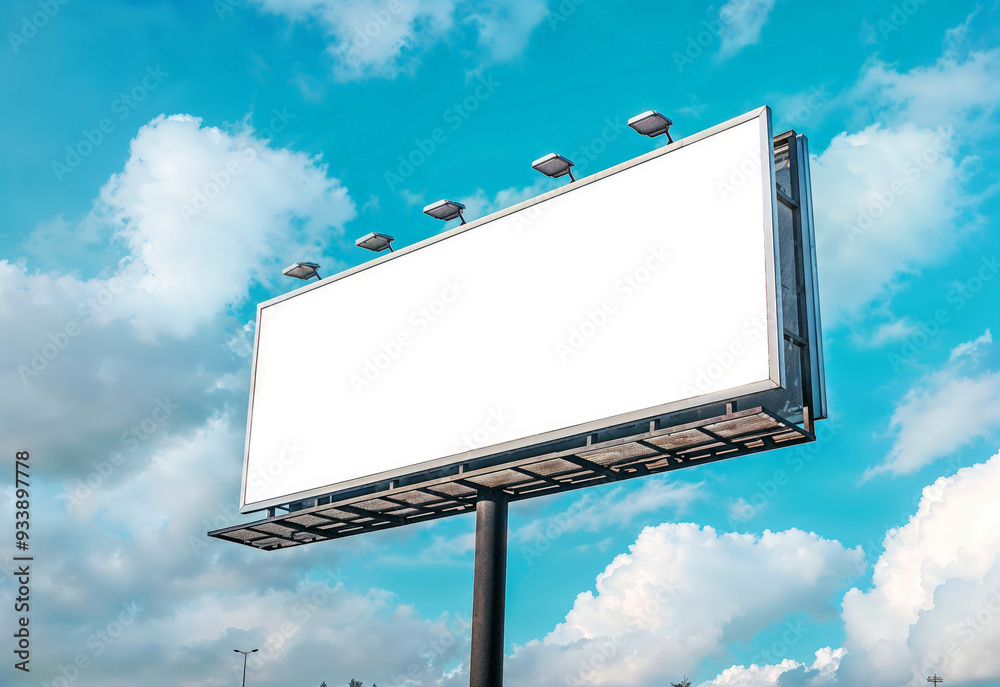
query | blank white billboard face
(647,288)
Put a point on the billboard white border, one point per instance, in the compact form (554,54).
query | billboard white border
(774,322)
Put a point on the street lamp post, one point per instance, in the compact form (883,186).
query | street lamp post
(245,654)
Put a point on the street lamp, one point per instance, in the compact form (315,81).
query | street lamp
(651,123)
(245,654)
(445,210)
(554,165)
(302,270)
(375,242)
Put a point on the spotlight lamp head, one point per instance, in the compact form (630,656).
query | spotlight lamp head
(554,165)
(302,270)
(651,123)
(375,242)
(445,210)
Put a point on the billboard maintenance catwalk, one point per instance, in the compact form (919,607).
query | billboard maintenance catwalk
(658,315)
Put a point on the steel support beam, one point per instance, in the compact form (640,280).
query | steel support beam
(489,590)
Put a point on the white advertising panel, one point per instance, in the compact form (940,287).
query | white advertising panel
(647,288)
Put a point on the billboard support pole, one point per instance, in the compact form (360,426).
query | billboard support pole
(489,589)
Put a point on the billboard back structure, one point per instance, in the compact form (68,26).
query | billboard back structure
(659,314)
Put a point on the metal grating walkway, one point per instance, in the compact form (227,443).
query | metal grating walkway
(658,450)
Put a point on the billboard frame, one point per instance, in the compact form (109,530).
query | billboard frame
(775,329)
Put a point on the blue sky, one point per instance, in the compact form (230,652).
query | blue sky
(878,549)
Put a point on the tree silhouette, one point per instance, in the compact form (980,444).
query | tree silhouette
(683,683)
(355,683)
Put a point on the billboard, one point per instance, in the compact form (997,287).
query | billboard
(612,299)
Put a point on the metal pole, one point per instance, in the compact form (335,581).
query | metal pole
(245,654)
(489,590)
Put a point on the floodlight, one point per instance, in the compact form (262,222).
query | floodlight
(302,270)
(445,210)
(554,165)
(375,242)
(651,123)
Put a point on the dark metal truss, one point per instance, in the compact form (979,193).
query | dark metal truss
(658,450)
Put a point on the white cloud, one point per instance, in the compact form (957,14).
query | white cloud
(742,21)
(803,110)
(683,593)
(72,247)
(821,672)
(454,547)
(935,599)
(504,27)
(972,348)
(958,36)
(143,540)
(695,110)
(411,198)
(71,361)
(887,202)
(383,38)
(740,510)
(129,383)
(944,411)
(479,204)
(208,212)
(621,505)
(934,602)
(894,197)
(94,355)
(886,332)
(954,90)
